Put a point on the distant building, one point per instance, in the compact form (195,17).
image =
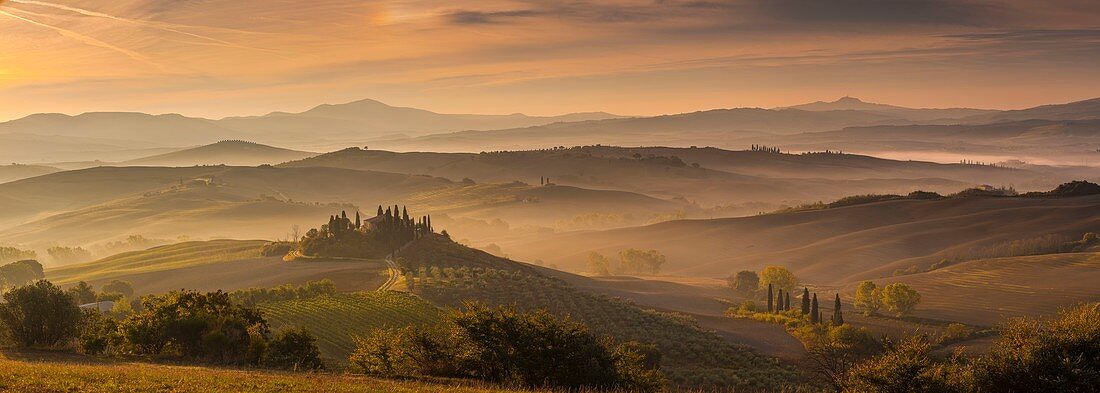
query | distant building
(103,306)
(373,222)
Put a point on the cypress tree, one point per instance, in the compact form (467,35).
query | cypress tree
(770,297)
(838,317)
(358,222)
(779,301)
(805,301)
(787,303)
(815,313)
(379,211)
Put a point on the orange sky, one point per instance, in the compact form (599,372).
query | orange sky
(217,58)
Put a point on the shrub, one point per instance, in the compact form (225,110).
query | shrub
(294,349)
(900,298)
(120,287)
(39,314)
(81,293)
(200,326)
(505,346)
(97,333)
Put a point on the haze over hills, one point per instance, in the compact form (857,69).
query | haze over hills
(836,245)
(922,114)
(722,177)
(230,152)
(17,171)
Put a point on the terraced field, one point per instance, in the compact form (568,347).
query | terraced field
(988,290)
(336,319)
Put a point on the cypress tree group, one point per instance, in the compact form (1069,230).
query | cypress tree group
(815,314)
(770,297)
(805,301)
(838,317)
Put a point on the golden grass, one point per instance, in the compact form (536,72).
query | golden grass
(174,256)
(80,376)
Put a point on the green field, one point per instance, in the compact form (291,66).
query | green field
(77,374)
(336,319)
(170,257)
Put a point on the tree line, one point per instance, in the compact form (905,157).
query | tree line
(390,229)
(631,261)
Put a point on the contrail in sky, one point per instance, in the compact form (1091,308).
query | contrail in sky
(169,27)
(87,40)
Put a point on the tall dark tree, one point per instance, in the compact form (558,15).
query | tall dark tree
(787,303)
(358,221)
(838,317)
(779,301)
(380,212)
(815,314)
(805,301)
(770,295)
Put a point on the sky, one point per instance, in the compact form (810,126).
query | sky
(216,58)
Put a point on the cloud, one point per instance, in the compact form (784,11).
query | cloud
(467,17)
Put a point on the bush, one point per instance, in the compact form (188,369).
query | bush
(81,293)
(97,333)
(505,346)
(277,249)
(120,287)
(294,349)
(195,325)
(40,315)
(905,368)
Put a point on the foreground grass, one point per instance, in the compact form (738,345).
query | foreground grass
(69,375)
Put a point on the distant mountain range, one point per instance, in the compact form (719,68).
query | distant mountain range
(126,136)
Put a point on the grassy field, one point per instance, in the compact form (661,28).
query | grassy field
(170,257)
(987,291)
(42,373)
(218,265)
(336,319)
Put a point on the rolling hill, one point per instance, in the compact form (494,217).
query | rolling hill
(832,246)
(212,265)
(913,114)
(447,274)
(18,172)
(723,177)
(231,152)
(988,291)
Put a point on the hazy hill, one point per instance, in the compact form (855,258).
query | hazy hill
(832,245)
(372,119)
(125,128)
(724,176)
(1078,110)
(713,127)
(230,152)
(107,203)
(922,114)
(989,290)
(215,265)
(16,171)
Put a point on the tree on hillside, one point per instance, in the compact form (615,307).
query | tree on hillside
(780,276)
(770,295)
(20,273)
(12,254)
(815,315)
(598,264)
(39,314)
(805,301)
(900,298)
(69,254)
(81,293)
(293,349)
(868,298)
(639,261)
(787,303)
(838,316)
(744,282)
(120,287)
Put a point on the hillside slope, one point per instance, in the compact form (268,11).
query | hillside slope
(15,172)
(988,291)
(230,152)
(832,245)
(216,265)
(447,274)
